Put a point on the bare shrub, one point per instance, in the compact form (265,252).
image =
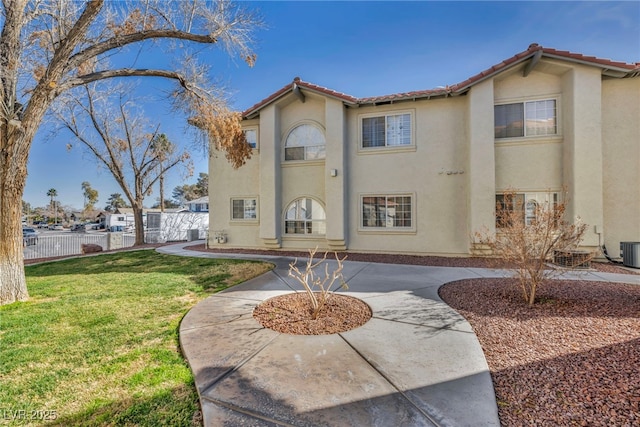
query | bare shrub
(310,279)
(528,245)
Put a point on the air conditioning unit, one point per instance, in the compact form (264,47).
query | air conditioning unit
(630,254)
(220,237)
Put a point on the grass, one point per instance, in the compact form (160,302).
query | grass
(97,343)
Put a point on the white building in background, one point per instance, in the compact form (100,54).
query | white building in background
(166,226)
(199,205)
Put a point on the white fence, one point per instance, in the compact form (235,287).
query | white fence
(63,244)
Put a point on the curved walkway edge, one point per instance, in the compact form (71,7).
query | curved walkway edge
(417,362)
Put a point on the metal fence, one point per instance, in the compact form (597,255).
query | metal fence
(63,244)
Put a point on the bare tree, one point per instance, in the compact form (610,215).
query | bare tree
(122,141)
(528,245)
(50,47)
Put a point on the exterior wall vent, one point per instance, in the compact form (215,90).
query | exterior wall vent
(630,253)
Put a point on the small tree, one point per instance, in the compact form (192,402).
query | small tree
(52,193)
(115,202)
(527,245)
(310,279)
(90,198)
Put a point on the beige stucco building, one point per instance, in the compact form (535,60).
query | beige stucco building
(420,172)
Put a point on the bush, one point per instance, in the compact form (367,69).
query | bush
(310,279)
(529,246)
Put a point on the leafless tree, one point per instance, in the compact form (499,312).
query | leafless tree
(529,245)
(116,133)
(48,48)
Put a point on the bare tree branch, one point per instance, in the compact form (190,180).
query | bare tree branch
(122,72)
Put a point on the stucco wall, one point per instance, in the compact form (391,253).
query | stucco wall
(530,163)
(621,162)
(226,183)
(582,156)
(432,172)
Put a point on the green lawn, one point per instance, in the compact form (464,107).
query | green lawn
(97,343)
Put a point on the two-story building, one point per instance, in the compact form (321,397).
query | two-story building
(420,172)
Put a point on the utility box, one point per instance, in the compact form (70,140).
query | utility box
(630,253)
(193,235)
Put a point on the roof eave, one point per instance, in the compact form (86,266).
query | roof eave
(607,69)
(299,86)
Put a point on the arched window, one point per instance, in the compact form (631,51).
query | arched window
(305,216)
(305,142)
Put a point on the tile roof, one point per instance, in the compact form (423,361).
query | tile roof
(614,68)
(549,53)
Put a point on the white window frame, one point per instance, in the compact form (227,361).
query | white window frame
(317,226)
(253,129)
(245,208)
(306,149)
(388,225)
(526,133)
(389,115)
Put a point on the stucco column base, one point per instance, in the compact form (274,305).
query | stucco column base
(480,249)
(272,243)
(337,244)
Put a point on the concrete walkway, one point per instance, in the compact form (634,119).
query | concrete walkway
(417,362)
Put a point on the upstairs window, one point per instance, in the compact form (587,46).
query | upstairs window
(252,137)
(522,119)
(386,131)
(305,142)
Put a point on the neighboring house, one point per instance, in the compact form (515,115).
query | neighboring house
(420,172)
(120,220)
(199,205)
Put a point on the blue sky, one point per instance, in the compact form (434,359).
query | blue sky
(362,49)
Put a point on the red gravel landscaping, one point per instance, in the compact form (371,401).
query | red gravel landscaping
(570,360)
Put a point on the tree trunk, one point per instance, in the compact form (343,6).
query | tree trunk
(138,221)
(13,283)
(161,192)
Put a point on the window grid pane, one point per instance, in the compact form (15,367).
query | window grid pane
(509,120)
(238,209)
(244,209)
(373,132)
(541,117)
(294,153)
(399,130)
(252,137)
(386,212)
(250,209)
